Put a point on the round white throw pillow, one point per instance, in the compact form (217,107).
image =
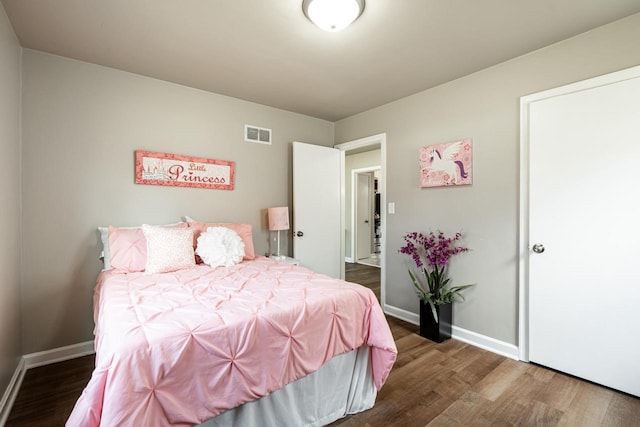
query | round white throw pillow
(219,246)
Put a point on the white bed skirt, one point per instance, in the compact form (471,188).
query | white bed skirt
(342,386)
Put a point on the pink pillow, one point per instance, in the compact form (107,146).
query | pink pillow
(168,249)
(244,231)
(128,248)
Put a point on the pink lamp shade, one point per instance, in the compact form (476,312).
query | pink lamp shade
(278,218)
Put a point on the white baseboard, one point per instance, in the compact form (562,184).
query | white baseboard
(349,260)
(58,354)
(486,343)
(473,338)
(401,314)
(11,392)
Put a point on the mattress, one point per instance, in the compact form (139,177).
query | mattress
(184,347)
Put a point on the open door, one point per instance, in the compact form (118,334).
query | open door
(317,208)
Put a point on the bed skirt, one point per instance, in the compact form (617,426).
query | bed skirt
(342,386)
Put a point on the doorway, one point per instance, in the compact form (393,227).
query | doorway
(365,214)
(366,156)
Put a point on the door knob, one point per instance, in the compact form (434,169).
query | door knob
(299,234)
(538,248)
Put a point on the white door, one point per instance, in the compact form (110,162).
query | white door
(364,206)
(317,208)
(584,281)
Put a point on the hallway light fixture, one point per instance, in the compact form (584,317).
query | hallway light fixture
(332,15)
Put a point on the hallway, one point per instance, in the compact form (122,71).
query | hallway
(364,275)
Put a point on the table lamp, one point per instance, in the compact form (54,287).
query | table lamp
(278,221)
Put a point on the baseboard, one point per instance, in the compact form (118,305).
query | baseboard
(484,342)
(473,338)
(401,314)
(58,354)
(349,260)
(11,392)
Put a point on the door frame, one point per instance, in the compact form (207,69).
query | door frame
(354,174)
(371,141)
(524,250)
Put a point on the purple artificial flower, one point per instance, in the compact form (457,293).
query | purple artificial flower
(431,249)
(431,253)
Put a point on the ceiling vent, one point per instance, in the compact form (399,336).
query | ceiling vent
(256,134)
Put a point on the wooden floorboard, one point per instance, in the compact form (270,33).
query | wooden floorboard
(447,384)
(365,275)
(48,393)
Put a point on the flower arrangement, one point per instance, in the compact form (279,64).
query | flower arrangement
(431,253)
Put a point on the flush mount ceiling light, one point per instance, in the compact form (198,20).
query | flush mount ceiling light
(332,15)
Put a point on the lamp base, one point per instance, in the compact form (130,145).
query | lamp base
(278,245)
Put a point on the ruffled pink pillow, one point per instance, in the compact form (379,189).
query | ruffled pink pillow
(127,249)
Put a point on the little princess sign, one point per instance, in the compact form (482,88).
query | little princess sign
(183,171)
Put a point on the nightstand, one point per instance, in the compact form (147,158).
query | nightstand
(287,260)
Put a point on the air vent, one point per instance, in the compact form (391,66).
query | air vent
(256,134)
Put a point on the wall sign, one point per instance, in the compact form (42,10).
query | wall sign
(446,164)
(183,171)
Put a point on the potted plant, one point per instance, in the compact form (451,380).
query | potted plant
(431,253)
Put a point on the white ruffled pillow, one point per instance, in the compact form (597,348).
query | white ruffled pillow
(219,246)
(168,249)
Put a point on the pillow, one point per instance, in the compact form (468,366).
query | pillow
(127,249)
(168,249)
(104,239)
(220,246)
(243,230)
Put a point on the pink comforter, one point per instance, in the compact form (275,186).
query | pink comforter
(179,348)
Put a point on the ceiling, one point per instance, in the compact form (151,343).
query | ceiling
(269,53)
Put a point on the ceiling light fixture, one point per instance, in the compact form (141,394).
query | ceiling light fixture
(332,15)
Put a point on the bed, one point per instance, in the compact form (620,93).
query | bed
(259,342)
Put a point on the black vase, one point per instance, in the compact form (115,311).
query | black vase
(432,330)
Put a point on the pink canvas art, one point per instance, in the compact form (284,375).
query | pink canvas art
(446,164)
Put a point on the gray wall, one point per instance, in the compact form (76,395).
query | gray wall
(10,347)
(81,126)
(483,106)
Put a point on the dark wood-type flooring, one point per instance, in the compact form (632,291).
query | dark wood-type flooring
(365,275)
(448,384)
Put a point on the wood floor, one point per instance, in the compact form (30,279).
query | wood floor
(447,384)
(455,384)
(48,393)
(365,275)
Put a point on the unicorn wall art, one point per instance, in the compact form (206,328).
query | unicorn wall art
(446,164)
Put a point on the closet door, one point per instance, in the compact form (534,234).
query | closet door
(584,233)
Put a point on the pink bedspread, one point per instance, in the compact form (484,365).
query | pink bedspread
(179,348)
